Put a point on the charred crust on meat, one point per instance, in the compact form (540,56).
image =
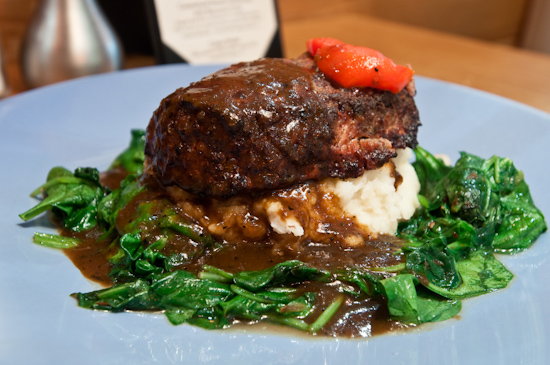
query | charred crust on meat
(273,123)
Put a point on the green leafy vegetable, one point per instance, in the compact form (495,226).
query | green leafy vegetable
(405,303)
(481,273)
(477,204)
(111,204)
(293,271)
(432,308)
(209,303)
(521,221)
(435,262)
(429,169)
(468,212)
(72,197)
(132,158)
(55,240)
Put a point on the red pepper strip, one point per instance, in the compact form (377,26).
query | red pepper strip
(315,43)
(353,66)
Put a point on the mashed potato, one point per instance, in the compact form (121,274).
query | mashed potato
(372,199)
(283,223)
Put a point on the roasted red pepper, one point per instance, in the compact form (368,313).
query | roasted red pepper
(354,66)
(315,43)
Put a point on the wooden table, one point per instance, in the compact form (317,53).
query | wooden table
(503,70)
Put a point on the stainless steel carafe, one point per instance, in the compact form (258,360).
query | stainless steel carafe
(68,39)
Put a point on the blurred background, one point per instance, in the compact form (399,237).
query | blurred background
(521,24)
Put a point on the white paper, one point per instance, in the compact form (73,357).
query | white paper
(217,31)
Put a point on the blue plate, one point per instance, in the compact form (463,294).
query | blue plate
(87,122)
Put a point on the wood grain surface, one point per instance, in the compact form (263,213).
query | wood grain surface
(500,69)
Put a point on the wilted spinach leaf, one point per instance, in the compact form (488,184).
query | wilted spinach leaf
(406,305)
(72,197)
(132,158)
(481,273)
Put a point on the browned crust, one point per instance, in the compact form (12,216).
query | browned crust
(270,124)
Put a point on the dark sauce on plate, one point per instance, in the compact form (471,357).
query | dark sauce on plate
(249,244)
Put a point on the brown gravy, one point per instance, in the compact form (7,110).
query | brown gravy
(324,245)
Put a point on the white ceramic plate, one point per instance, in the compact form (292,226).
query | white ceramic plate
(87,122)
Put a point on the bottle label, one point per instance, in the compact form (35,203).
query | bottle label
(217,31)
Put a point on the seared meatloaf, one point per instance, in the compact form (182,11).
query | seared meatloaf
(273,123)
